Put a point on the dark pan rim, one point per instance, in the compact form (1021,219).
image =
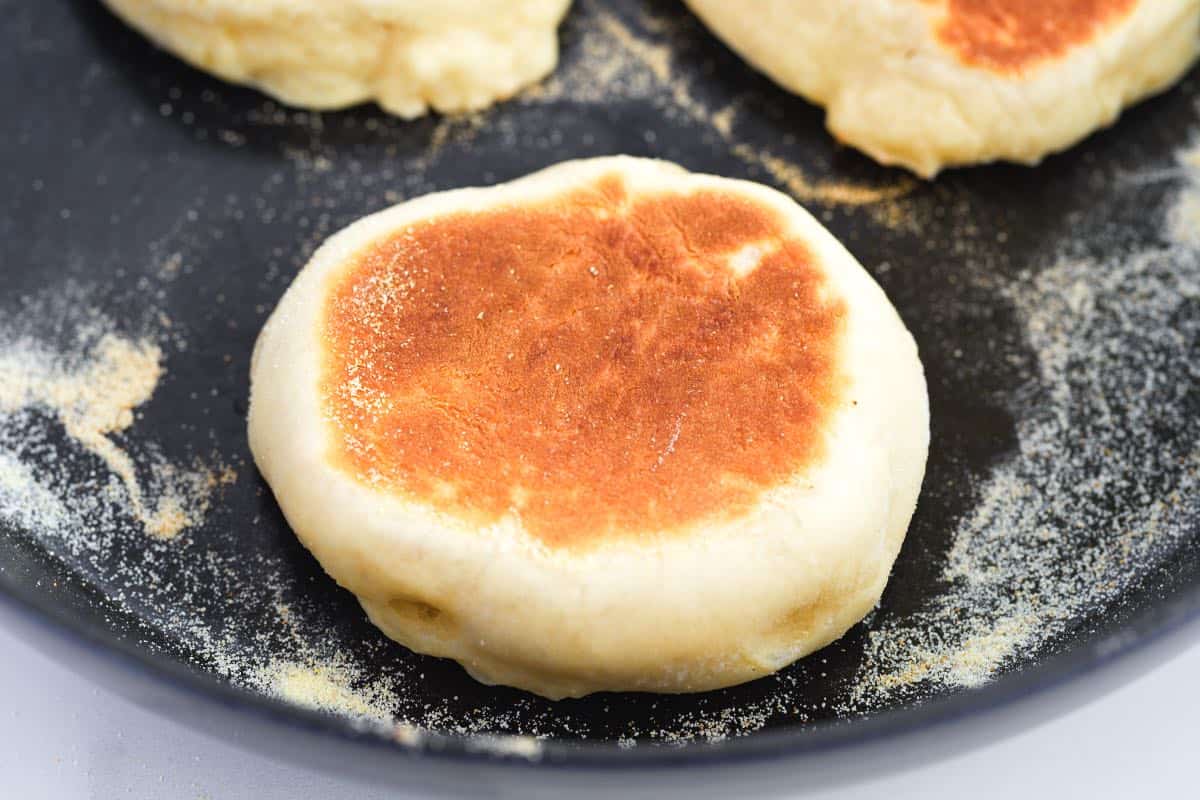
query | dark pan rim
(1150,624)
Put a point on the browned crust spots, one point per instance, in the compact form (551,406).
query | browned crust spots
(1009,36)
(591,365)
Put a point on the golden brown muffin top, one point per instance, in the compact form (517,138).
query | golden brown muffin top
(599,365)
(1009,36)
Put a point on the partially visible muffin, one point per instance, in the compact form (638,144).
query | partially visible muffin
(409,55)
(928,84)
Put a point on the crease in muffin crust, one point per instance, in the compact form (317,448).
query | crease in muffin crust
(597,365)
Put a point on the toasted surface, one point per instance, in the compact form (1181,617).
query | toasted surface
(1013,35)
(927,84)
(610,426)
(409,55)
(578,362)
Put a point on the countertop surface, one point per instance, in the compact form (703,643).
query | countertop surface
(63,737)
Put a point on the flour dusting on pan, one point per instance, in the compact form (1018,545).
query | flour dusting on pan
(1115,337)
(91,383)
(332,685)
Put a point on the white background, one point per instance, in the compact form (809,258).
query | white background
(62,737)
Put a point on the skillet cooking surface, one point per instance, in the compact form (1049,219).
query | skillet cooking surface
(148,205)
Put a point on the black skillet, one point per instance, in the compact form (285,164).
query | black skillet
(117,156)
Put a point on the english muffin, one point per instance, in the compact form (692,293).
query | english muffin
(927,84)
(611,426)
(409,55)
